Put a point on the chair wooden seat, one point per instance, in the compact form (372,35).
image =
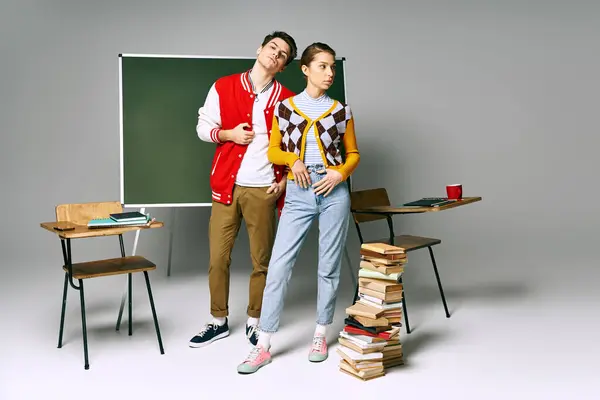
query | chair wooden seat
(79,214)
(112,266)
(409,242)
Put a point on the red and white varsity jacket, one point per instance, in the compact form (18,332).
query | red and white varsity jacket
(235,103)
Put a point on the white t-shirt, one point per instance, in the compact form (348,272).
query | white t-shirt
(255,170)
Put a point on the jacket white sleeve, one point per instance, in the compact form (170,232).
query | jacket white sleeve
(209,118)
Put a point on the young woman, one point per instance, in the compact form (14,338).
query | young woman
(307,134)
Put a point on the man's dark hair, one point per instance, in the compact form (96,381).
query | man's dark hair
(286,38)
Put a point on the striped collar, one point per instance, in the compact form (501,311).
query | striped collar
(305,96)
(275,93)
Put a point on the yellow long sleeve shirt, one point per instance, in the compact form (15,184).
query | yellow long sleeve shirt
(333,129)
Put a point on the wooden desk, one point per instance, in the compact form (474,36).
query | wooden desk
(98,268)
(364,203)
(391,210)
(82,231)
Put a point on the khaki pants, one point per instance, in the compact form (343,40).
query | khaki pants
(257,208)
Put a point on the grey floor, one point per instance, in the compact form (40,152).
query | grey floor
(510,336)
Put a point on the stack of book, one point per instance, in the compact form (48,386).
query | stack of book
(117,220)
(370,341)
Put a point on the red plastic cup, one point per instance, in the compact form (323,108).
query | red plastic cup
(454,192)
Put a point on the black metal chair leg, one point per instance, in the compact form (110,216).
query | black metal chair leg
(130,305)
(405,312)
(120,316)
(160,344)
(118,325)
(439,282)
(62,313)
(83,325)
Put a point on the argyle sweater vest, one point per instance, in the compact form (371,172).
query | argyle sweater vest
(330,129)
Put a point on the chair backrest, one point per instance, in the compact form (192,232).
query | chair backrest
(81,213)
(368,198)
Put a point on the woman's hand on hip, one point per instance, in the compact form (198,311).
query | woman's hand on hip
(326,185)
(301,175)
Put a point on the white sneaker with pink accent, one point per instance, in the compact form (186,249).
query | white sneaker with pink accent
(318,351)
(257,358)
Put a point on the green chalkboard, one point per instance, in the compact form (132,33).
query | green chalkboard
(163,162)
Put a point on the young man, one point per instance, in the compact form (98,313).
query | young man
(237,116)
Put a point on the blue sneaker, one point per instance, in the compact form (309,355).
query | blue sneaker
(209,334)
(252,334)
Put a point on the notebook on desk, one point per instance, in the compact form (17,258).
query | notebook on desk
(429,202)
(129,216)
(111,223)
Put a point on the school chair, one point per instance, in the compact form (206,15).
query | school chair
(363,199)
(79,215)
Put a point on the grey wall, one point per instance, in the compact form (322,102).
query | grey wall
(501,96)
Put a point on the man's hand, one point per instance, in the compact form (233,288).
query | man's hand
(301,175)
(326,185)
(238,134)
(277,187)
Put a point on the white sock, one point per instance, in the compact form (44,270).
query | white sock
(264,339)
(252,321)
(219,320)
(321,330)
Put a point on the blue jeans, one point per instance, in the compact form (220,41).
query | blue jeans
(301,207)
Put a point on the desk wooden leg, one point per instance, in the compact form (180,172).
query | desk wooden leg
(64,307)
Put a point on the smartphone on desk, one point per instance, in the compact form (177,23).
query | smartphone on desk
(64,226)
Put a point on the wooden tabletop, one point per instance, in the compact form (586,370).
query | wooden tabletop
(412,210)
(82,231)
